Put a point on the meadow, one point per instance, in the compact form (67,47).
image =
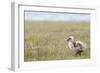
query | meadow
(45,40)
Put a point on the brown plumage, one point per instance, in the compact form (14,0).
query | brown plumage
(76,46)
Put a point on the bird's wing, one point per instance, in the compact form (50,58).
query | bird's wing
(82,44)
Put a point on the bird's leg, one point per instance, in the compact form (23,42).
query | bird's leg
(78,53)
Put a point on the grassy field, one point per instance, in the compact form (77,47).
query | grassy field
(45,40)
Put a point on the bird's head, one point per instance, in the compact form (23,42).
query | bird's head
(70,38)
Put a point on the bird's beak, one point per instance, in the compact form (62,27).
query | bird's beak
(68,39)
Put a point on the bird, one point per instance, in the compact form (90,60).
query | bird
(76,46)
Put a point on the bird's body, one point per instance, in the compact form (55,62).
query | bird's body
(76,46)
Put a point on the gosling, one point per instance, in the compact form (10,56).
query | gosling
(76,46)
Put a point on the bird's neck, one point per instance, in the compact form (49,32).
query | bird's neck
(71,44)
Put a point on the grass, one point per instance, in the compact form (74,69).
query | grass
(45,40)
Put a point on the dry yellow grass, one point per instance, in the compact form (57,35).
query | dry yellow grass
(45,40)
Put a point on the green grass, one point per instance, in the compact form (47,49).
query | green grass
(45,40)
